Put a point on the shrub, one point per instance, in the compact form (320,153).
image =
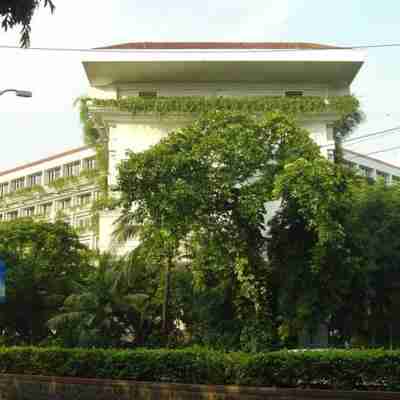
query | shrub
(336,369)
(331,369)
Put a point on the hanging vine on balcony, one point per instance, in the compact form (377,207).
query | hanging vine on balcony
(341,105)
(97,137)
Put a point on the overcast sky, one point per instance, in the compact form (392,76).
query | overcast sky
(47,123)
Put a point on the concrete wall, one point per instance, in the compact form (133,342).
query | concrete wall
(24,387)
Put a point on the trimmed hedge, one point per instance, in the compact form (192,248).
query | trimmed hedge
(338,369)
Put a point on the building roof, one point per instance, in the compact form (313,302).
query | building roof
(220,45)
(223,62)
(371,158)
(43,160)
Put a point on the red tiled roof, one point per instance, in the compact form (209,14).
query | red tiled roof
(43,160)
(219,45)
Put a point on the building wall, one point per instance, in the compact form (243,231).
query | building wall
(79,154)
(228,89)
(71,203)
(371,167)
(128,133)
(138,133)
(164,89)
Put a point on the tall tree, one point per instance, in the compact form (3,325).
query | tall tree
(332,249)
(309,245)
(20,12)
(206,187)
(373,224)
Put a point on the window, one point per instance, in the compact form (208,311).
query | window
(148,94)
(17,184)
(12,215)
(45,209)
(72,169)
(96,195)
(89,163)
(293,93)
(3,189)
(365,171)
(64,204)
(28,212)
(34,179)
(84,223)
(52,174)
(84,199)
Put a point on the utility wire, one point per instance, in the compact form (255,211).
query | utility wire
(125,51)
(372,153)
(383,151)
(372,135)
(367,136)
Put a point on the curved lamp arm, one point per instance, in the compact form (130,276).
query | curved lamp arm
(19,93)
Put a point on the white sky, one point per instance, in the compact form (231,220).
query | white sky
(47,123)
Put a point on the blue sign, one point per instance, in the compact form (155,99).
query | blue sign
(2,282)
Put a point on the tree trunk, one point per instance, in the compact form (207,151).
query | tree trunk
(338,154)
(165,308)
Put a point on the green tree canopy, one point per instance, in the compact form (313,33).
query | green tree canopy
(20,12)
(373,224)
(43,262)
(310,245)
(207,185)
(333,251)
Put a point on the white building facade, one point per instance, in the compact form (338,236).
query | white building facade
(59,187)
(162,70)
(372,168)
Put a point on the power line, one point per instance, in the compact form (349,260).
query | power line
(125,51)
(384,150)
(372,153)
(372,135)
(367,136)
(374,46)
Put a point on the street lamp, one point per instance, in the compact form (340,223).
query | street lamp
(19,93)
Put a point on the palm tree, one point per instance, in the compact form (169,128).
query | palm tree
(106,310)
(158,248)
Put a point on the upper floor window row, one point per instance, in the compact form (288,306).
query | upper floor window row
(52,174)
(34,179)
(17,184)
(89,163)
(48,176)
(4,188)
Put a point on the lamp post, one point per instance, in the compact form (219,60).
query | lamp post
(19,93)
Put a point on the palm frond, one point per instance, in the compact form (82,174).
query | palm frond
(125,228)
(62,319)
